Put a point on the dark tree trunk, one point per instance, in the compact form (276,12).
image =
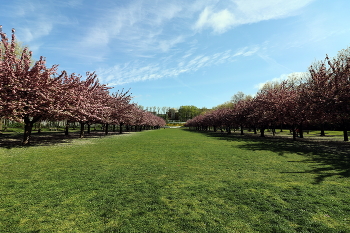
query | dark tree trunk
(322,130)
(345,131)
(301,133)
(262,132)
(242,130)
(255,130)
(28,126)
(27,132)
(66,130)
(121,128)
(114,128)
(88,128)
(106,128)
(82,126)
(346,137)
(294,133)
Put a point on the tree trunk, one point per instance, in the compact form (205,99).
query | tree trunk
(346,137)
(322,130)
(121,128)
(301,133)
(113,127)
(262,132)
(345,131)
(28,126)
(254,130)
(106,129)
(242,130)
(66,130)
(294,133)
(82,126)
(27,132)
(88,128)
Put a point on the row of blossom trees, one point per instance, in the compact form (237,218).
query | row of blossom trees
(322,96)
(31,93)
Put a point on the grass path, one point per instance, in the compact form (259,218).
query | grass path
(175,180)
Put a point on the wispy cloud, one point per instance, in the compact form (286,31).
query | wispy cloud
(166,45)
(138,25)
(221,18)
(142,29)
(136,72)
(37,19)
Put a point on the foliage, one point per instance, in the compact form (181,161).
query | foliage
(32,93)
(188,112)
(227,104)
(320,97)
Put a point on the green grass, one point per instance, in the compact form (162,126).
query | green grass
(175,180)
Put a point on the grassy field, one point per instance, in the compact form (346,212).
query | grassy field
(175,180)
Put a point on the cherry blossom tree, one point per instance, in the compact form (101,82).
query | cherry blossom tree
(241,112)
(85,101)
(340,89)
(329,87)
(28,93)
(121,107)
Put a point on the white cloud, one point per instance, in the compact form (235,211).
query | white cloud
(238,12)
(219,21)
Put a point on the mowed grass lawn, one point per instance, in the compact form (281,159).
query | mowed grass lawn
(175,180)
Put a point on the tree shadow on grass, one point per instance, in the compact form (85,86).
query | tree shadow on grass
(328,158)
(14,140)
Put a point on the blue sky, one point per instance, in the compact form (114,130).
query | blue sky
(179,52)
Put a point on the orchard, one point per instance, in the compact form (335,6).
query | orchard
(32,93)
(321,97)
